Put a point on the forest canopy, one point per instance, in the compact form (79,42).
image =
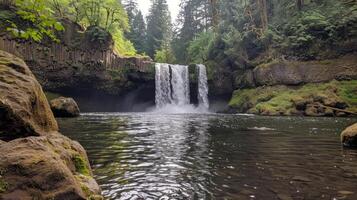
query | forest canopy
(237,33)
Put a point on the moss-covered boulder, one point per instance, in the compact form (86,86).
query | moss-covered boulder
(349,136)
(64,107)
(24,110)
(36,162)
(337,98)
(46,167)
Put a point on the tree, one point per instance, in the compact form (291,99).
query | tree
(108,15)
(131,7)
(165,54)
(158,26)
(138,33)
(196,16)
(31,20)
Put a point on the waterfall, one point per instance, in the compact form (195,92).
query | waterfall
(163,86)
(173,89)
(202,87)
(180,85)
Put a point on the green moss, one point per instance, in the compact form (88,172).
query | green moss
(3,184)
(86,190)
(348,92)
(278,100)
(250,97)
(81,165)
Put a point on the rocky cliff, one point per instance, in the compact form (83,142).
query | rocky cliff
(81,63)
(313,88)
(36,161)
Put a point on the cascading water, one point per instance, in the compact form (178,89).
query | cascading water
(173,89)
(163,86)
(180,85)
(202,87)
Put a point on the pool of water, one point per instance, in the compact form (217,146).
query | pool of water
(213,156)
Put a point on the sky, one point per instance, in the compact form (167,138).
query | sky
(174,6)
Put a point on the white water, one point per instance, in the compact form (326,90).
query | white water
(173,89)
(180,85)
(202,87)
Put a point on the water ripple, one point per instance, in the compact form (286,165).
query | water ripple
(214,156)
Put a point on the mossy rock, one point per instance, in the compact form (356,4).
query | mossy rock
(81,165)
(283,100)
(3,184)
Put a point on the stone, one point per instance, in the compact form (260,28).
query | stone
(24,110)
(329,112)
(349,136)
(44,168)
(36,161)
(301,103)
(312,111)
(341,114)
(299,72)
(64,107)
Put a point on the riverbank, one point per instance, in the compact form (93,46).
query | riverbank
(310,88)
(336,98)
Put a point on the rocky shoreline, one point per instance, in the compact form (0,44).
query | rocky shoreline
(309,88)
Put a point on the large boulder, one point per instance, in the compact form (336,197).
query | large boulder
(64,107)
(36,162)
(24,110)
(349,136)
(47,167)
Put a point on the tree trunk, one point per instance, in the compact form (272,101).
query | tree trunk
(299,4)
(263,10)
(214,7)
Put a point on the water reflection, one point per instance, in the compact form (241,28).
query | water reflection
(152,156)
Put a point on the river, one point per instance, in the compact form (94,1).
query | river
(216,156)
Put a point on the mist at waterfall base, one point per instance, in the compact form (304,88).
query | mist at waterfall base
(172,92)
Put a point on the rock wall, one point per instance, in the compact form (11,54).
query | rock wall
(80,63)
(298,72)
(36,161)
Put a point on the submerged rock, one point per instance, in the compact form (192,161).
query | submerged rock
(36,162)
(64,107)
(24,110)
(349,136)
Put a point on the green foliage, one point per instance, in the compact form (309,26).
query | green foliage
(122,45)
(195,17)
(138,33)
(32,20)
(158,26)
(97,34)
(107,15)
(165,55)
(313,29)
(198,48)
